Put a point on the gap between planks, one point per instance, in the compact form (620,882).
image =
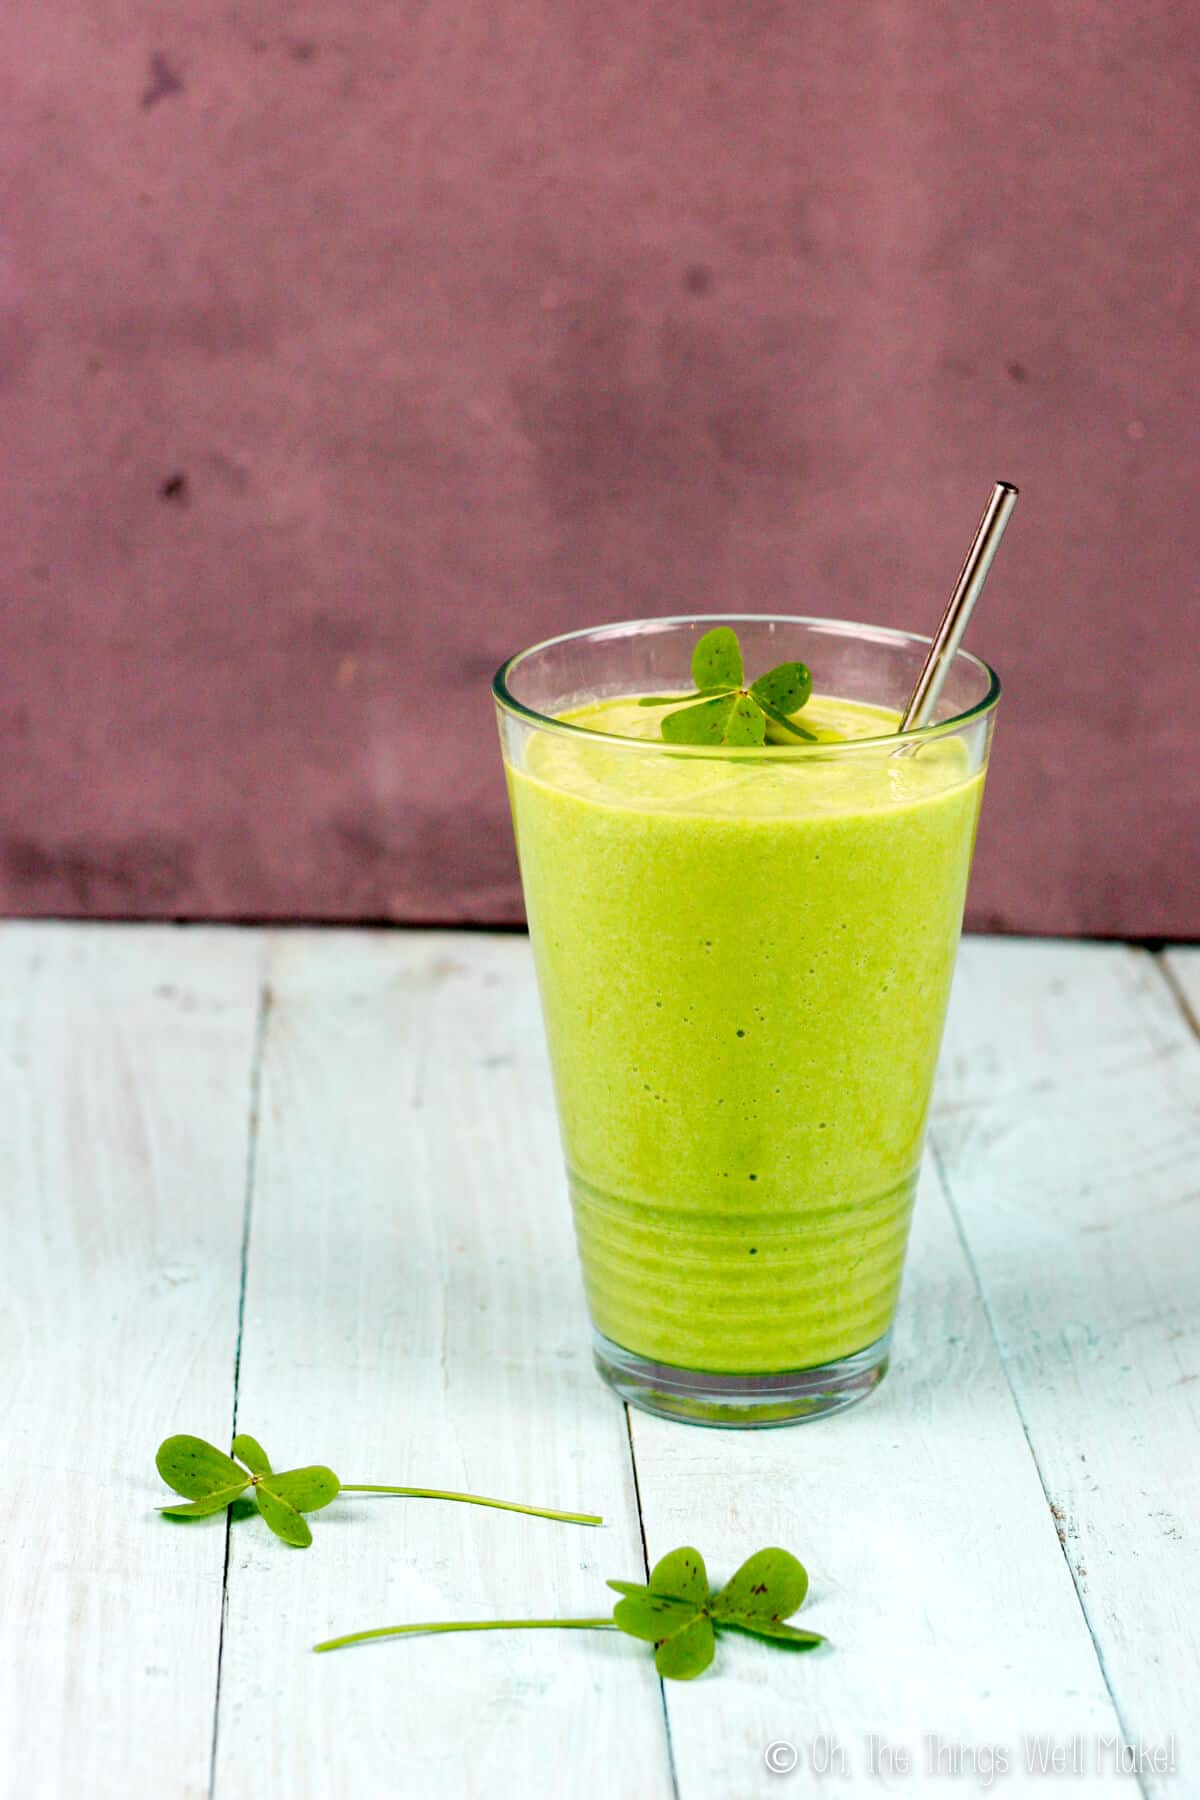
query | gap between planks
(1165,973)
(254,1090)
(969,1257)
(989,1317)
(1161,962)
(637,1500)
(1188,1004)
(1177,970)
(353,1181)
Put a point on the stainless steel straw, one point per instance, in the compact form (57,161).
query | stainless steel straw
(967,590)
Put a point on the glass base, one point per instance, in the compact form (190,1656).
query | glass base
(746,1401)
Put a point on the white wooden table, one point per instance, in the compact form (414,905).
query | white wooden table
(309,1181)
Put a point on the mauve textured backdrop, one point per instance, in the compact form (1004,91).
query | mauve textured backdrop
(345,348)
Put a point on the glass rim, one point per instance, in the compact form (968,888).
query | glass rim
(883,634)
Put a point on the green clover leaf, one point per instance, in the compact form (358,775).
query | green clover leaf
(766,1590)
(702,724)
(771,1584)
(251,1452)
(785,688)
(747,722)
(717,660)
(723,711)
(677,699)
(308,1490)
(196,1469)
(687,1653)
(652,1617)
(212,1503)
(671,1613)
(787,726)
(280,1514)
(674,1611)
(210,1481)
(788,1637)
(681,1575)
(730,719)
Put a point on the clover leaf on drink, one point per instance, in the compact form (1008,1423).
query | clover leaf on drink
(725,710)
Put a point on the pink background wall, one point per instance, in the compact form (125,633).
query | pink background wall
(344,348)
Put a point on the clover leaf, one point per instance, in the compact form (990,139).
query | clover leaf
(726,711)
(765,1591)
(729,719)
(210,1481)
(671,1612)
(717,659)
(674,1611)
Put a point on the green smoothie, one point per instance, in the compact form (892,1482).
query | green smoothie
(744,964)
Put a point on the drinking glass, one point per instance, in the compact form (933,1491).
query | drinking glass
(744,958)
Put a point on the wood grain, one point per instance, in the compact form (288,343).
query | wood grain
(1182,969)
(414,1314)
(1068,1131)
(125,1066)
(1003,1541)
(935,1567)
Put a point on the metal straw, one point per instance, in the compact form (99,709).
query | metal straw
(967,590)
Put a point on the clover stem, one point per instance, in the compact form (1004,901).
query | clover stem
(419,1493)
(383,1631)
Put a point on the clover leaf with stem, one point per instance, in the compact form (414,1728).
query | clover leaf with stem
(674,1611)
(725,710)
(210,1481)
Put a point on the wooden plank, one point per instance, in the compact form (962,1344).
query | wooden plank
(1069,1134)
(125,1069)
(1182,966)
(414,1314)
(935,1568)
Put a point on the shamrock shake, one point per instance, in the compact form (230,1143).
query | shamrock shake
(744,959)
